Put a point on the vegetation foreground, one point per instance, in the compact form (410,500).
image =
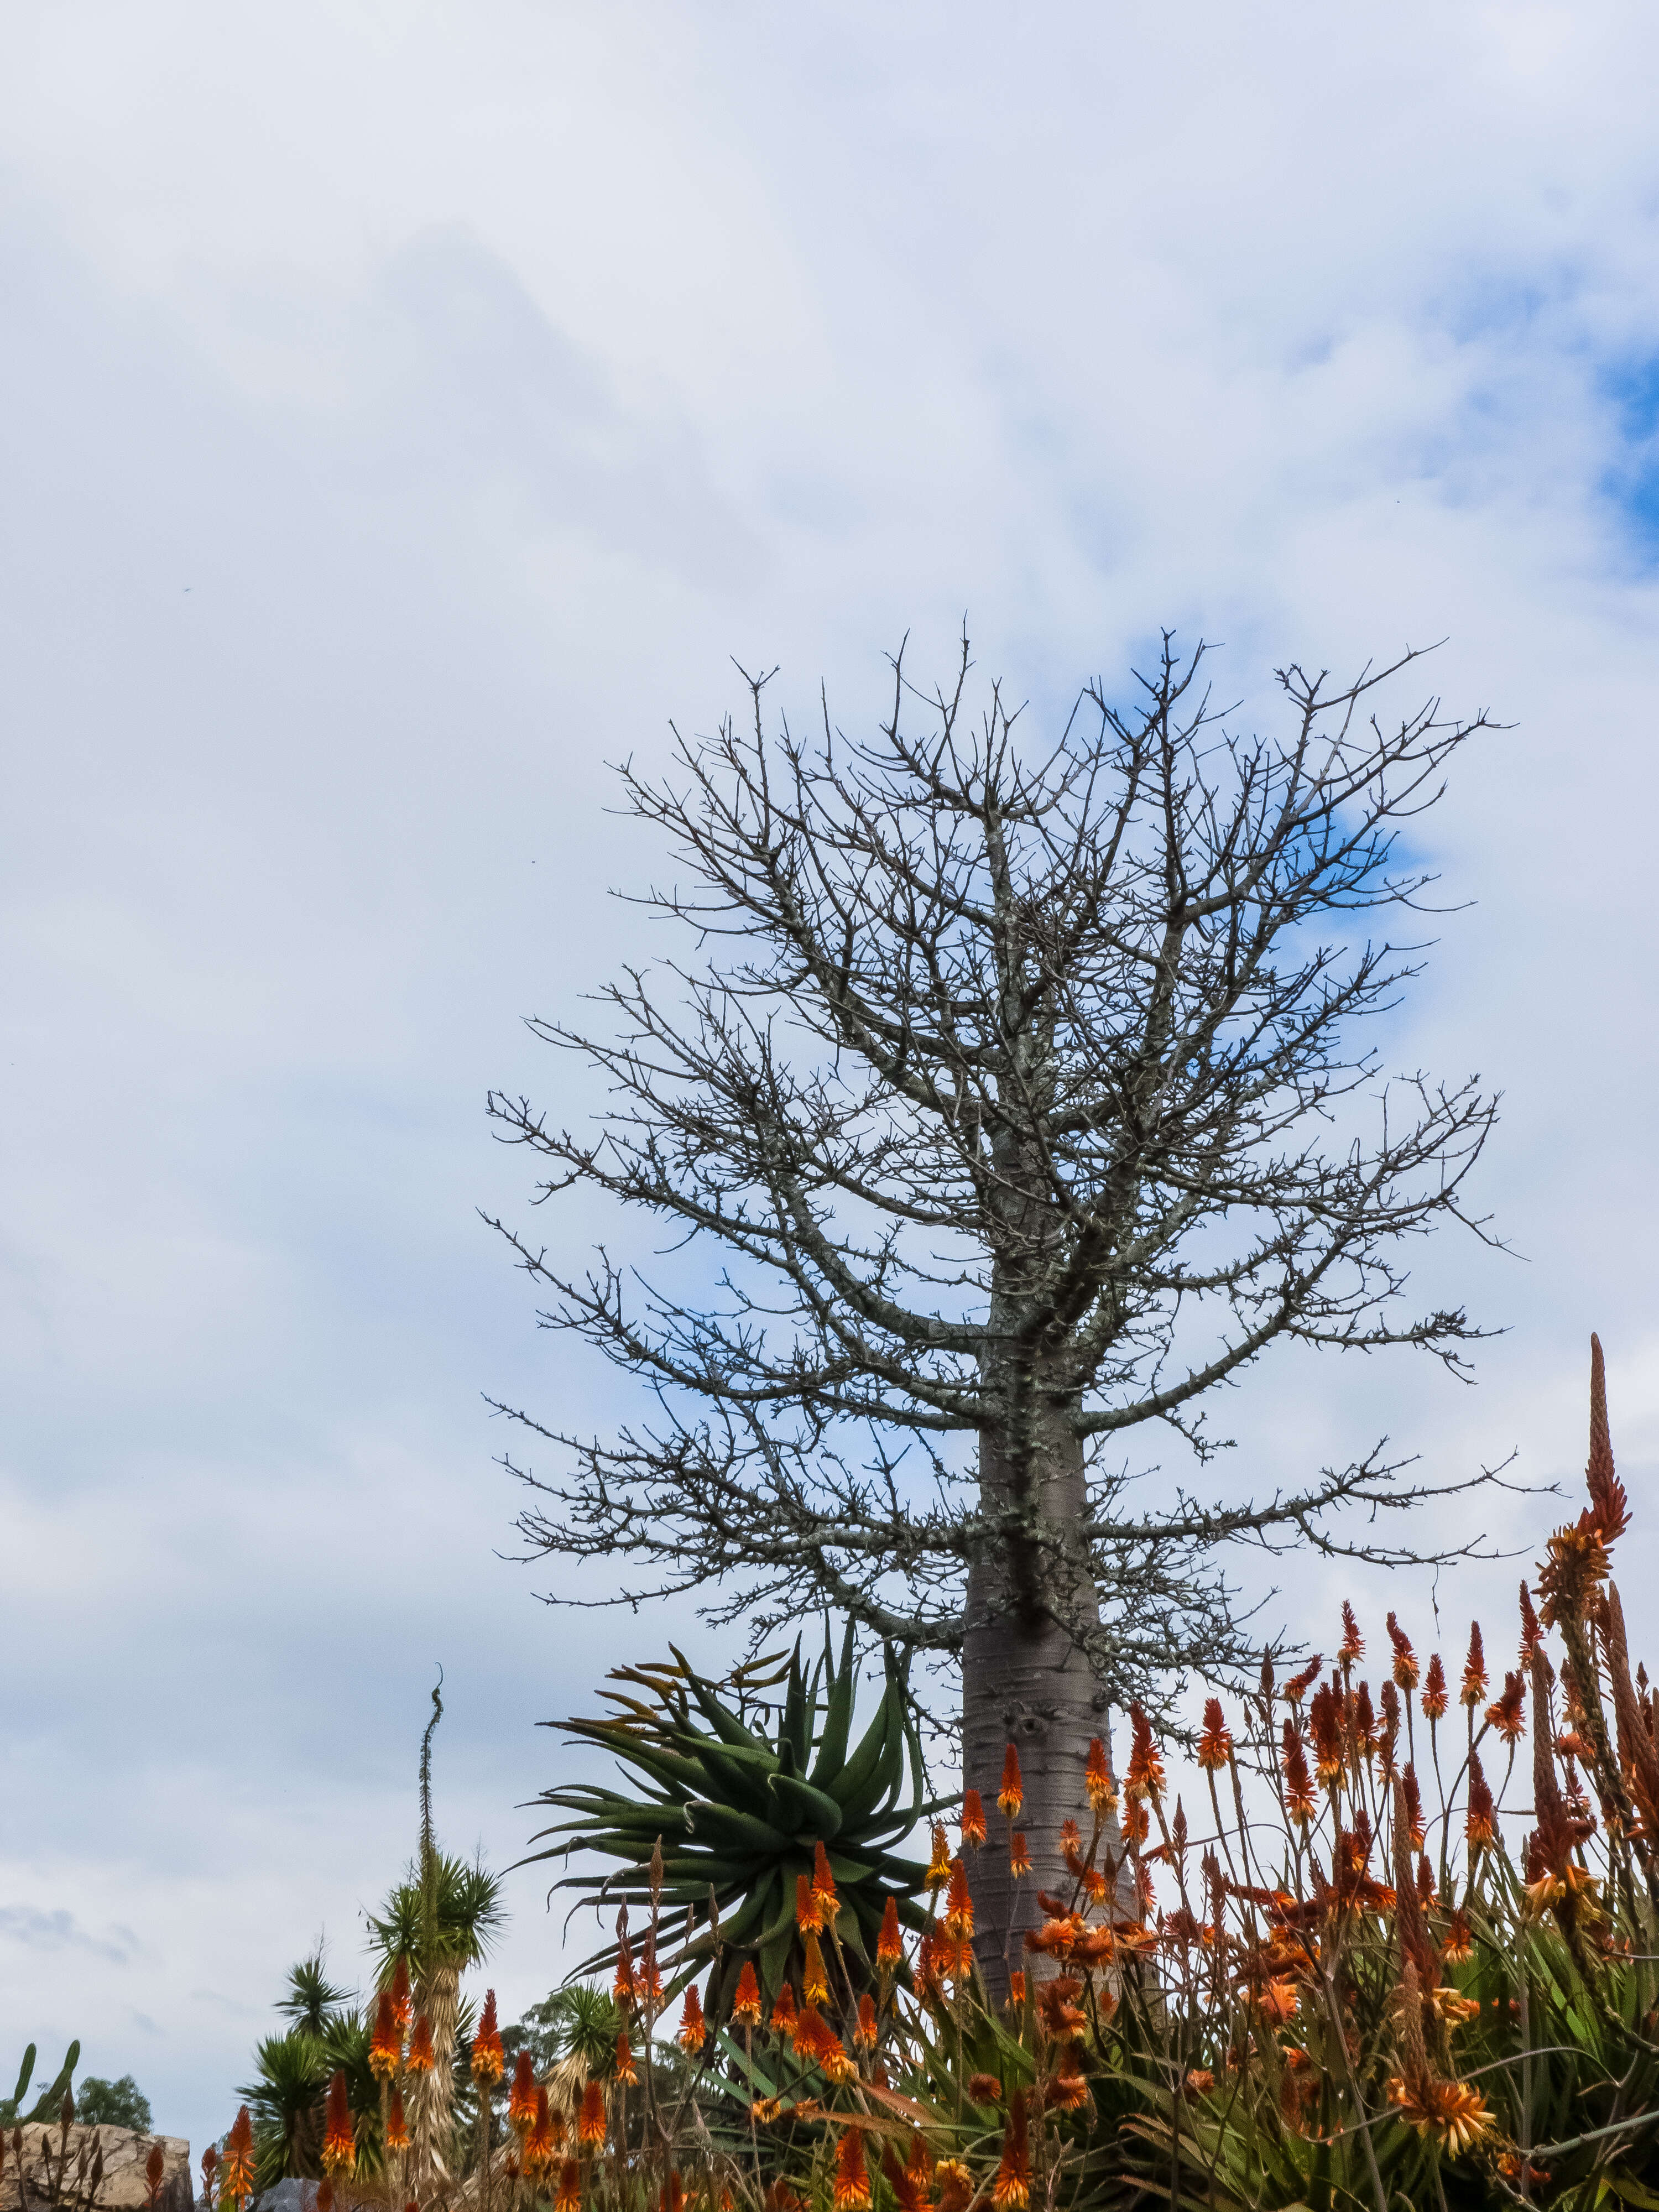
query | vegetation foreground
(1362,1970)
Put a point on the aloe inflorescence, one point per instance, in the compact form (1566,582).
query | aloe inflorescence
(742,1789)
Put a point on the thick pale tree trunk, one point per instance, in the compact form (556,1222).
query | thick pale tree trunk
(431,2103)
(1025,1681)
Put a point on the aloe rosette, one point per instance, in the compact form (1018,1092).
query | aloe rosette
(741,1789)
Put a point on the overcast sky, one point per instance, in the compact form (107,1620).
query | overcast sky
(407,408)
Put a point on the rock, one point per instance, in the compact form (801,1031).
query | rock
(124,2187)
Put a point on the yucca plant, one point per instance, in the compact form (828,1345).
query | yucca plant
(740,1790)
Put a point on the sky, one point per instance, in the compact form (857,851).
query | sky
(404,411)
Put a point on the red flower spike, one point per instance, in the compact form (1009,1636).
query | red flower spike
(746,2005)
(1299,1685)
(865,2033)
(1215,1744)
(402,2003)
(823,1888)
(958,1903)
(1017,1987)
(521,2099)
(1474,1670)
(808,1917)
(1020,1858)
(570,2187)
(623,1989)
(420,2059)
(1298,1782)
(1098,1778)
(1413,1804)
(1405,1659)
(236,2178)
(783,2011)
(1012,2189)
(590,2122)
(385,2044)
(624,2070)
(339,2137)
(1481,1824)
(973,1819)
(814,1980)
(852,2189)
(693,2032)
(1508,1713)
(1145,1775)
(540,2145)
(397,2127)
(1352,1646)
(489,2053)
(938,1866)
(890,1949)
(1435,1700)
(1011,1796)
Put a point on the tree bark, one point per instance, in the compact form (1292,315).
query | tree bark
(1027,1680)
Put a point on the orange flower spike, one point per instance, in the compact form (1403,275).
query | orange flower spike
(420,2059)
(1017,1987)
(1012,2189)
(693,2032)
(865,2033)
(1145,1775)
(973,1819)
(339,2137)
(814,1981)
(808,1917)
(624,2070)
(521,2098)
(570,2187)
(1298,1782)
(1413,1796)
(783,2011)
(958,1903)
(1481,1823)
(889,1948)
(1098,1778)
(397,2126)
(385,2044)
(1508,1713)
(1435,1698)
(1215,1744)
(852,2189)
(625,1989)
(1352,1646)
(1011,1796)
(1299,1685)
(489,2053)
(1474,1670)
(1406,1668)
(938,1866)
(825,1894)
(590,2121)
(236,2181)
(541,2144)
(403,2006)
(746,2005)
(1020,1858)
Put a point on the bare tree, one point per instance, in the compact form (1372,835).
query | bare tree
(1008,1091)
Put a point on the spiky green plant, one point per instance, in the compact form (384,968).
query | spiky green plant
(740,1790)
(45,2107)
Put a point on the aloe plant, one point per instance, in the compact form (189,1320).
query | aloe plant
(741,1789)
